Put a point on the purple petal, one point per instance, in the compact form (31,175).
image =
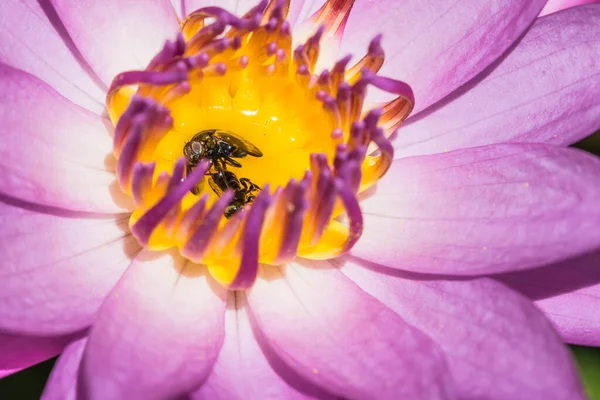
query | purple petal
(62,383)
(299,9)
(568,293)
(483,210)
(545,91)
(340,339)
(556,5)
(236,7)
(242,361)
(438,45)
(185,7)
(497,344)
(19,351)
(180,8)
(56,269)
(118,35)
(302,9)
(157,334)
(308,9)
(53,152)
(9,371)
(32,40)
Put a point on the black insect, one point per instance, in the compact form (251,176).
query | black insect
(219,147)
(244,190)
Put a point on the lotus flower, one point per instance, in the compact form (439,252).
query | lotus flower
(210,202)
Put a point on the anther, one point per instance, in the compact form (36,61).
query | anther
(148,222)
(141,182)
(199,240)
(334,14)
(262,226)
(372,61)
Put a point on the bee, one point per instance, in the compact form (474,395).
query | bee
(220,147)
(244,190)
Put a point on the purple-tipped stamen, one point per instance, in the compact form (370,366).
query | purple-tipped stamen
(294,218)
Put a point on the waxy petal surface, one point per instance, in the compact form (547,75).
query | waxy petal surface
(19,351)
(438,45)
(544,91)
(118,35)
(307,10)
(568,293)
(158,333)
(239,7)
(236,7)
(553,6)
(483,210)
(53,152)
(242,361)
(341,339)
(57,269)
(62,383)
(31,39)
(498,345)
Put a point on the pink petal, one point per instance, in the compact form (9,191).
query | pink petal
(19,351)
(545,91)
(339,338)
(497,344)
(57,269)
(242,361)
(557,5)
(483,210)
(7,372)
(62,383)
(157,334)
(54,152)
(118,35)
(568,293)
(181,8)
(30,41)
(438,45)
(186,7)
(239,7)
(302,10)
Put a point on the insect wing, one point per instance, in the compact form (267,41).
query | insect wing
(243,146)
(214,186)
(203,136)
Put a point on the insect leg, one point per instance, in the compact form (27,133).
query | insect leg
(246,184)
(231,161)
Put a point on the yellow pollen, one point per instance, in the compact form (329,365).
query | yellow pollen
(232,77)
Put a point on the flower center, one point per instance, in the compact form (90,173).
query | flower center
(237,152)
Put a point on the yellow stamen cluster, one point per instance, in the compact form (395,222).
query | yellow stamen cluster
(242,75)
